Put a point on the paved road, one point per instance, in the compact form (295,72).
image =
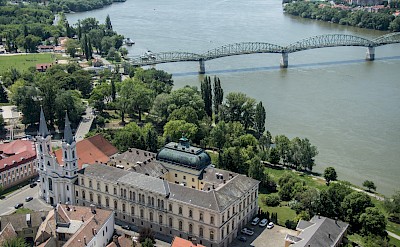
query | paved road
(393,235)
(7,204)
(84,125)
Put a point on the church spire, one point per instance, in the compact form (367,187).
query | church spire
(68,137)
(43,131)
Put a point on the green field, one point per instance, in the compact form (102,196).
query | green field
(24,61)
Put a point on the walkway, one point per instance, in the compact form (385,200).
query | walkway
(393,235)
(85,124)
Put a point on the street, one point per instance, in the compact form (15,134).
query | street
(7,204)
(84,125)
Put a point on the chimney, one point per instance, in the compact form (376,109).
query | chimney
(84,240)
(28,220)
(194,241)
(115,240)
(93,208)
(82,219)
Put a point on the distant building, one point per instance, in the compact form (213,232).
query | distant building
(45,48)
(17,162)
(319,231)
(180,242)
(364,2)
(42,67)
(76,226)
(24,225)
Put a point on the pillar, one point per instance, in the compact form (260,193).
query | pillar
(284,60)
(370,54)
(202,66)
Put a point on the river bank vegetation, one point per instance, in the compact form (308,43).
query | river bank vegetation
(382,20)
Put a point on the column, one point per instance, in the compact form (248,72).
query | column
(284,60)
(202,66)
(370,54)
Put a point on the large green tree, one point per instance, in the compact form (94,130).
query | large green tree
(206,94)
(373,222)
(218,97)
(259,119)
(330,174)
(353,205)
(239,107)
(176,128)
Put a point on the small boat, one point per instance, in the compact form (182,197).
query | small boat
(129,42)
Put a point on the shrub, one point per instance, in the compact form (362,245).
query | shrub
(291,224)
(272,200)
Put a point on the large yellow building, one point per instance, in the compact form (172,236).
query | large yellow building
(177,192)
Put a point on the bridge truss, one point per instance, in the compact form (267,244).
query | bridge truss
(320,41)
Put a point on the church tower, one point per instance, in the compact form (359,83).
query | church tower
(70,161)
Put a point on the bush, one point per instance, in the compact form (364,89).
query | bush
(291,224)
(272,200)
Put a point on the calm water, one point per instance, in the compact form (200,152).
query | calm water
(347,107)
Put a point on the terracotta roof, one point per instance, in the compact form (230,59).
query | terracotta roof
(17,146)
(43,65)
(6,233)
(16,153)
(180,242)
(95,149)
(122,242)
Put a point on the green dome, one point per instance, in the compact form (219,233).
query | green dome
(184,155)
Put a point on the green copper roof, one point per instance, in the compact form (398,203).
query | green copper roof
(184,155)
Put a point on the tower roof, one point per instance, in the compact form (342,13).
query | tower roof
(43,131)
(68,137)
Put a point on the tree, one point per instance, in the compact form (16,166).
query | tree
(108,23)
(282,147)
(3,95)
(124,101)
(330,174)
(369,185)
(176,128)
(273,157)
(147,243)
(353,205)
(123,51)
(146,233)
(256,169)
(206,94)
(259,119)
(240,108)
(373,222)
(129,136)
(27,100)
(14,242)
(72,47)
(186,113)
(100,95)
(218,97)
(70,102)
(157,80)
(392,206)
(142,97)
(331,199)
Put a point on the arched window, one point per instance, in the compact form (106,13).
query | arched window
(190,229)
(201,216)
(201,232)
(83,195)
(211,235)
(152,201)
(107,202)
(162,204)
(170,207)
(50,184)
(115,191)
(90,183)
(98,185)
(123,207)
(170,223)
(212,220)
(180,225)
(130,195)
(158,203)
(115,205)
(132,210)
(151,216)
(122,192)
(190,213)
(141,213)
(180,210)
(106,188)
(82,182)
(160,221)
(99,199)
(91,197)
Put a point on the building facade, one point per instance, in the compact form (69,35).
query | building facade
(17,162)
(56,180)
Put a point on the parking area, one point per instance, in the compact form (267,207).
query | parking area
(264,237)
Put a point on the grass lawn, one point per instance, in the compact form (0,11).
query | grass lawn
(284,212)
(309,180)
(23,211)
(394,241)
(24,61)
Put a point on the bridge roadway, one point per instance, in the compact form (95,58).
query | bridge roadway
(315,42)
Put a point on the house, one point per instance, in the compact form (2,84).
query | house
(97,62)
(59,49)
(180,242)
(45,48)
(95,149)
(76,226)
(17,162)
(319,231)
(42,67)
(25,226)
(121,241)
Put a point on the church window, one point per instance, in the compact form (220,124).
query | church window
(73,154)
(67,187)
(50,184)
(65,154)
(48,163)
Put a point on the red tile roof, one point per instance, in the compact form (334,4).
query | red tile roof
(16,153)
(17,146)
(123,241)
(180,242)
(95,149)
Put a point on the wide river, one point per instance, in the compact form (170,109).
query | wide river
(347,107)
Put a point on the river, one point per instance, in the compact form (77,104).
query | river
(347,107)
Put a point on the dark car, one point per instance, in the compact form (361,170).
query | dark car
(126,227)
(242,238)
(29,198)
(32,185)
(18,205)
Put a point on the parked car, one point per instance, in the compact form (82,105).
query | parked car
(29,198)
(242,238)
(126,227)
(270,225)
(32,185)
(247,231)
(18,205)
(255,221)
(263,222)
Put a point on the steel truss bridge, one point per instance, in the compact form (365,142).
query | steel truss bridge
(320,41)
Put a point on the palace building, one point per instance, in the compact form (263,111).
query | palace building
(176,192)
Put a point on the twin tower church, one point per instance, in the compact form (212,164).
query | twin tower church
(56,180)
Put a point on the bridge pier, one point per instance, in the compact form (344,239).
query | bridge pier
(284,60)
(202,66)
(370,54)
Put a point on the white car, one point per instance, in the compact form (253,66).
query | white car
(270,225)
(247,231)
(263,222)
(255,221)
